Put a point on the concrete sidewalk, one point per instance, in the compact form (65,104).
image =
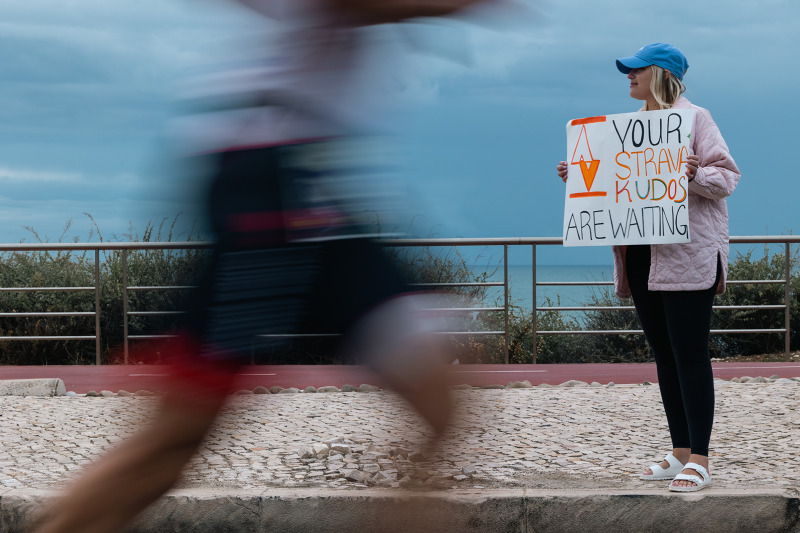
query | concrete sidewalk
(527,459)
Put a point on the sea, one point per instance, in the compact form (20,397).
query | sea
(521,284)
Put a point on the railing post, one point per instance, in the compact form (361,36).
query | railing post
(125,305)
(787,295)
(533,314)
(505,294)
(97,306)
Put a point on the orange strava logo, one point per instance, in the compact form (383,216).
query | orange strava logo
(582,156)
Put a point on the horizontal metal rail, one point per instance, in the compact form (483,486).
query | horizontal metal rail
(572,283)
(756,282)
(155,313)
(304,335)
(48,313)
(45,289)
(103,246)
(51,338)
(311,335)
(592,308)
(460,241)
(632,308)
(640,332)
(609,283)
(467,309)
(471,284)
(166,336)
(162,288)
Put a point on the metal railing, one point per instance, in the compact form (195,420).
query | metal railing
(97,249)
(786,240)
(505,243)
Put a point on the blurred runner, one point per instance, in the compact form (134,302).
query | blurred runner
(290,253)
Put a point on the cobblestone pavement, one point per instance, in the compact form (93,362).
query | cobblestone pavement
(597,437)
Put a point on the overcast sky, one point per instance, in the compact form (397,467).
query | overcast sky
(87,85)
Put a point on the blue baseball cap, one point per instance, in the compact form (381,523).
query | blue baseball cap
(663,55)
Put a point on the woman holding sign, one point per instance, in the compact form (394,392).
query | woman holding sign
(673,285)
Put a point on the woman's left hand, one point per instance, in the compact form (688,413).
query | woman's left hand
(692,164)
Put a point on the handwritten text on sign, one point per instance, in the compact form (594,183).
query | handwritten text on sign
(627,182)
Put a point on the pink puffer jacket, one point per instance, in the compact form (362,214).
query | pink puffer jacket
(693,266)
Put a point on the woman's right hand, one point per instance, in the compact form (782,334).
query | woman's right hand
(562,170)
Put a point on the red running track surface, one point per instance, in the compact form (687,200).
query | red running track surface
(82,379)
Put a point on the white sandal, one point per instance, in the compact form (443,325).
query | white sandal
(659,473)
(700,483)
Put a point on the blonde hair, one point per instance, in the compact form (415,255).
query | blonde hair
(665,86)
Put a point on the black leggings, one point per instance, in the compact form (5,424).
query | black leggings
(677,325)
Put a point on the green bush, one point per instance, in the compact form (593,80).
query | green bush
(69,269)
(633,348)
(768,267)
(619,347)
(550,348)
(46,269)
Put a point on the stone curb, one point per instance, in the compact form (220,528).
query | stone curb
(32,387)
(555,511)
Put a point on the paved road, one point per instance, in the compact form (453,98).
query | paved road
(543,437)
(82,379)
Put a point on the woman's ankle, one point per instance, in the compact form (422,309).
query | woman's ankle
(682,454)
(701,460)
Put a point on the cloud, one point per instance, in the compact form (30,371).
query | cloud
(32,177)
(86,85)
(568,50)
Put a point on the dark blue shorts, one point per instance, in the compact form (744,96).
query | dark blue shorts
(284,262)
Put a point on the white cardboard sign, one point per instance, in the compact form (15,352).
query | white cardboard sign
(626,178)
